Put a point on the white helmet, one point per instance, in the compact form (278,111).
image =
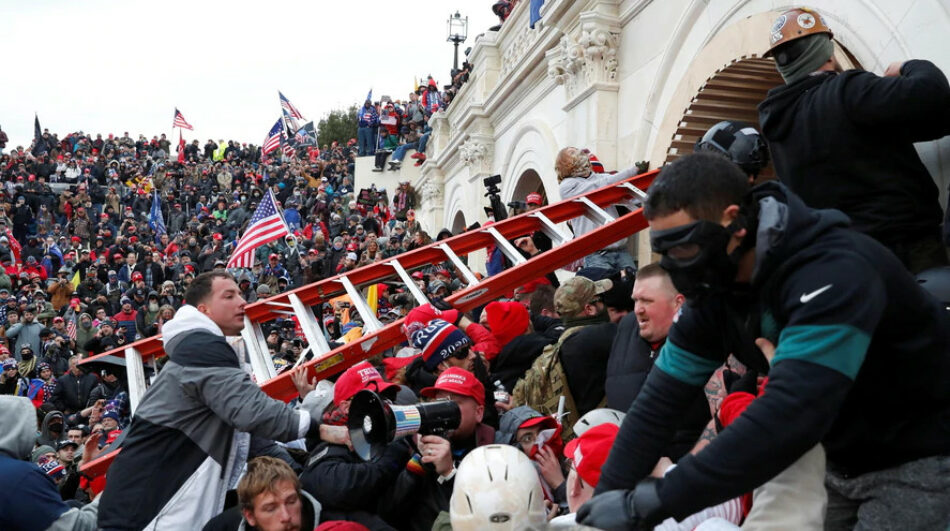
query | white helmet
(497,488)
(596,417)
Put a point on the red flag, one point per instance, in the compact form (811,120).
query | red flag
(14,246)
(181,148)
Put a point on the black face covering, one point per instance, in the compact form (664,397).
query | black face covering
(695,257)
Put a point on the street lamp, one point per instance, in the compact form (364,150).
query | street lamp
(458,32)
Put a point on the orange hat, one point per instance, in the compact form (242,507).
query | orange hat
(795,24)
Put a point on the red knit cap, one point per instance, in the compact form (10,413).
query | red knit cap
(507,320)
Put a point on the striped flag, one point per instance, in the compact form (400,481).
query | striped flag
(272,141)
(71,327)
(180,121)
(266,225)
(289,109)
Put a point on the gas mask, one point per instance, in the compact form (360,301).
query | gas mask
(695,257)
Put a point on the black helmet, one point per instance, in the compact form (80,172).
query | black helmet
(739,142)
(936,281)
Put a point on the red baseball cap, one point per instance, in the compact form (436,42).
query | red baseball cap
(216,236)
(458,381)
(533,198)
(589,451)
(137,276)
(356,378)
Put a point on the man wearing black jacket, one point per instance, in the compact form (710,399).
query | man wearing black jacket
(845,140)
(73,388)
(860,362)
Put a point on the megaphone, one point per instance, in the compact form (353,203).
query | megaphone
(374,422)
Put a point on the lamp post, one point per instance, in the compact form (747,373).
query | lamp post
(458,32)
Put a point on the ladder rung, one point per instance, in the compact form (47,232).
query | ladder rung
(466,272)
(596,211)
(506,248)
(135,373)
(638,192)
(256,346)
(550,229)
(370,322)
(278,303)
(410,284)
(310,327)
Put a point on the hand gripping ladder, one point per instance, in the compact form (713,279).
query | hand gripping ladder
(378,337)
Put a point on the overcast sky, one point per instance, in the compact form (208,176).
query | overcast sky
(113,66)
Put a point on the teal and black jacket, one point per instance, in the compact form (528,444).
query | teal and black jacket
(862,365)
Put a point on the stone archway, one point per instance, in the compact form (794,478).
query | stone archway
(529,182)
(733,93)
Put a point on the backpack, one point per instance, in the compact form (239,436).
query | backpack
(545,382)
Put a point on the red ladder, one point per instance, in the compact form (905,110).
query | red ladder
(378,337)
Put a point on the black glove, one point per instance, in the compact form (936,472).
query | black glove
(440,304)
(624,509)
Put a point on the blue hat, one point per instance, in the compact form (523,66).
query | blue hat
(438,341)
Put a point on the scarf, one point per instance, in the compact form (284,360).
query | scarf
(818,50)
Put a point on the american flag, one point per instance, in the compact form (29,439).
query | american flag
(266,225)
(272,141)
(288,107)
(71,327)
(180,121)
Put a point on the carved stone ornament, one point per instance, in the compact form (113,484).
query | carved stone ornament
(588,58)
(517,49)
(431,192)
(473,153)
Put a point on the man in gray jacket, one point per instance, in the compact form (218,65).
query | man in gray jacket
(26,332)
(190,436)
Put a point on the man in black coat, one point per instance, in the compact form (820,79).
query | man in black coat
(845,140)
(72,390)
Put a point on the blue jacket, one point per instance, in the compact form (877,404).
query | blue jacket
(36,502)
(368,117)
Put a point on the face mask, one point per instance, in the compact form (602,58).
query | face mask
(695,257)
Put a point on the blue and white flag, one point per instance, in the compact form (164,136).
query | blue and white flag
(369,95)
(155,219)
(535,12)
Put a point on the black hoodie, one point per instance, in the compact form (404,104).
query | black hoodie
(862,365)
(845,141)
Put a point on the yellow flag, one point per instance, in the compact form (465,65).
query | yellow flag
(415,84)
(372,297)
(75,280)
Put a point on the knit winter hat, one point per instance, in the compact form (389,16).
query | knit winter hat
(507,320)
(54,469)
(438,341)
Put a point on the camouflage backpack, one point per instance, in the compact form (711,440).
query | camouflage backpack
(544,383)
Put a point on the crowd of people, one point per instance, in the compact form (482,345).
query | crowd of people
(779,367)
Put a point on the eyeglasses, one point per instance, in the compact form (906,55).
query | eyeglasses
(461,354)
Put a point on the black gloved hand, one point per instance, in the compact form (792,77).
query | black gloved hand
(624,509)
(440,304)
(747,383)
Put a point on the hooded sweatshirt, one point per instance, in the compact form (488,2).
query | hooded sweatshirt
(189,438)
(36,504)
(846,141)
(842,312)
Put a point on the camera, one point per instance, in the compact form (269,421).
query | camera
(491,183)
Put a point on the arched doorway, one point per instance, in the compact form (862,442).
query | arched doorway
(734,93)
(529,182)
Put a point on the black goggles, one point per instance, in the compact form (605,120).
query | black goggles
(684,244)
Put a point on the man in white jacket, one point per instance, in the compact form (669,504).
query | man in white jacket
(190,436)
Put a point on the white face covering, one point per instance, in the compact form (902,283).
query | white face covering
(153,306)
